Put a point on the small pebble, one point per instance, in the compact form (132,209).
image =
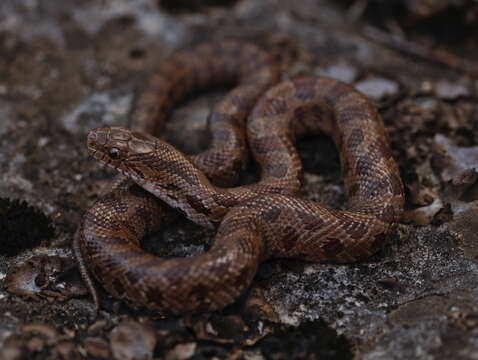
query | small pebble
(342,71)
(181,352)
(426,87)
(48,332)
(428,104)
(97,347)
(67,351)
(97,325)
(35,344)
(377,88)
(131,340)
(11,349)
(450,90)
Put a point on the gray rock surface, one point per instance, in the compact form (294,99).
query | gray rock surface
(69,66)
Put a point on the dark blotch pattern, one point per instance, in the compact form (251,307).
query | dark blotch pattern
(197,205)
(154,295)
(353,113)
(332,247)
(173,167)
(271,214)
(274,106)
(267,144)
(364,166)
(355,139)
(199,291)
(312,222)
(242,103)
(289,237)
(388,214)
(224,201)
(375,188)
(335,93)
(217,118)
(222,135)
(379,146)
(305,88)
(318,112)
(300,115)
(276,170)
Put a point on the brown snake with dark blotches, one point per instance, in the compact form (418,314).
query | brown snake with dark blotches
(256,222)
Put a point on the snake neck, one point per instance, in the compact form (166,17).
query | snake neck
(175,180)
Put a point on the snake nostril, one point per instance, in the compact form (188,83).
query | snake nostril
(97,137)
(91,138)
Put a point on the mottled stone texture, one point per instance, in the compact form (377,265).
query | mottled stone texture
(68,66)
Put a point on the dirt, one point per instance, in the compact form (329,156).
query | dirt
(69,66)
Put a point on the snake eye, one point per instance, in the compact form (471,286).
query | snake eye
(114,153)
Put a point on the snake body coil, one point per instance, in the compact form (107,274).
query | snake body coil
(256,222)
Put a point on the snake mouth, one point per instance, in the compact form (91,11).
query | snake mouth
(118,165)
(114,164)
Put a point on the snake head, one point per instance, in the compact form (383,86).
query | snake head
(117,146)
(154,165)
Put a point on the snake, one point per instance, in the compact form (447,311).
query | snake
(255,222)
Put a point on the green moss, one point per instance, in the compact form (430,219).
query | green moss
(311,340)
(22,227)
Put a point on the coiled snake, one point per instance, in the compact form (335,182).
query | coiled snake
(255,222)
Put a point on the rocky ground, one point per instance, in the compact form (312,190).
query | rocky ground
(69,66)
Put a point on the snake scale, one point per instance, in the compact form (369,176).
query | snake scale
(254,222)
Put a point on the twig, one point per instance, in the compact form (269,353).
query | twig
(438,56)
